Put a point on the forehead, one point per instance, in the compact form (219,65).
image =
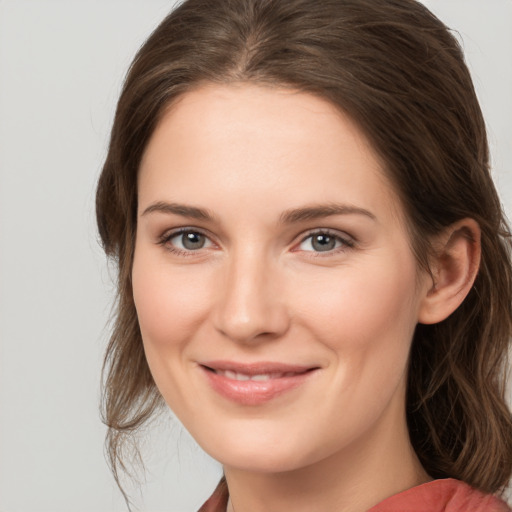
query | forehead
(253,144)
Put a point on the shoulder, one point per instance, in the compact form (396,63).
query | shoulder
(446,495)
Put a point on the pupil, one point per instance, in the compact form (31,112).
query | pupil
(193,240)
(323,242)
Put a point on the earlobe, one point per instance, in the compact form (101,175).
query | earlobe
(454,270)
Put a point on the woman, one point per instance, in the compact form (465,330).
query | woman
(314,268)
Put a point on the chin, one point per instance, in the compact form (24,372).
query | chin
(268,453)
(259,461)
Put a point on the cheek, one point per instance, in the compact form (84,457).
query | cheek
(169,304)
(367,307)
(366,318)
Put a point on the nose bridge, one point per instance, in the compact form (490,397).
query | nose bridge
(251,305)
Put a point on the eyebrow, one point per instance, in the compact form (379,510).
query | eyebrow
(291,216)
(322,210)
(180,209)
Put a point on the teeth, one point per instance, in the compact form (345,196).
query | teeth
(243,377)
(261,377)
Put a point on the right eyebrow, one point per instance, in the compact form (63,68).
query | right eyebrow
(183,210)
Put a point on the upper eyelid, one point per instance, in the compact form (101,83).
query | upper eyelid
(170,233)
(329,231)
(347,239)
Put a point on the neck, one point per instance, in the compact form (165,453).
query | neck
(382,463)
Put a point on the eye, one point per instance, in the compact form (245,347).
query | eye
(185,241)
(324,241)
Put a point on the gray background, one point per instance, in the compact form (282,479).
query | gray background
(61,66)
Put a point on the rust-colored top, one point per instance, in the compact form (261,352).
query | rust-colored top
(218,501)
(447,495)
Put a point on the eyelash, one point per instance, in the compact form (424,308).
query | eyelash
(347,242)
(168,236)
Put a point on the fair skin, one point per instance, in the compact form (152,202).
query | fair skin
(258,283)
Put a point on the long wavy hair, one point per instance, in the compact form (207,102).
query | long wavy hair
(400,74)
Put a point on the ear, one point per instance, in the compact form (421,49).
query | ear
(454,269)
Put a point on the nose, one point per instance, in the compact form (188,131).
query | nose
(251,306)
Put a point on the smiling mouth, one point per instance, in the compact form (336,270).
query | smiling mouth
(258,377)
(257,383)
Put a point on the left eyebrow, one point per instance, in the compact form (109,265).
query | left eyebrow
(322,210)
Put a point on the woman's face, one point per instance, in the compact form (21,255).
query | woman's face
(273,278)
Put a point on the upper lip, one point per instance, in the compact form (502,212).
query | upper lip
(258,368)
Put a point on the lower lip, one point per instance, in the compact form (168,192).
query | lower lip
(252,392)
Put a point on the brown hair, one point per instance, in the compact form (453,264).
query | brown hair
(396,70)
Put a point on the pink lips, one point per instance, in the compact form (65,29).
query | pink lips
(256,383)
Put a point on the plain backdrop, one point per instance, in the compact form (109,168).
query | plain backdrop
(61,67)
